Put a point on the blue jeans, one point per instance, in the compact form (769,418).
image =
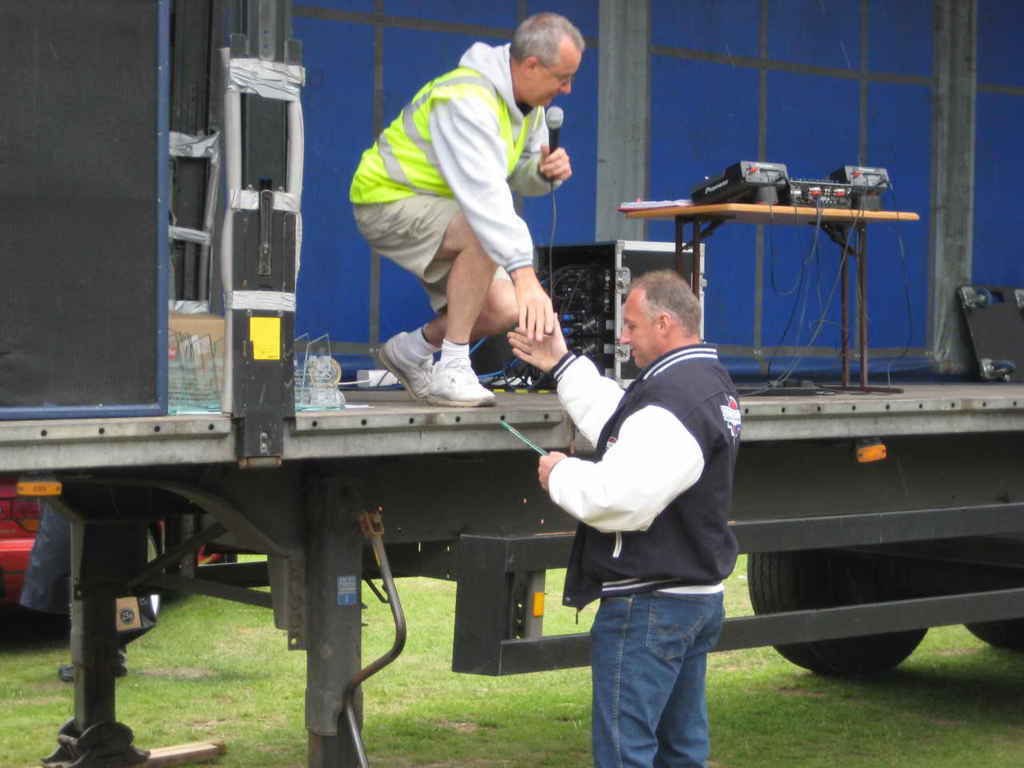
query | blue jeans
(648,663)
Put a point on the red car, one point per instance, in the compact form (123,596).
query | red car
(19,521)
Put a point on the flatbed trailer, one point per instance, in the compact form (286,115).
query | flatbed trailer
(839,549)
(849,562)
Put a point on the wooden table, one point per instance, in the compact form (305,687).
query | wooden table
(835,222)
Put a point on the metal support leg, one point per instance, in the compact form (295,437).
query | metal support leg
(334,629)
(94,738)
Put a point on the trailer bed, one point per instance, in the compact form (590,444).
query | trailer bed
(389,424)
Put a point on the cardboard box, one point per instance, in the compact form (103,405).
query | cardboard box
(197,325)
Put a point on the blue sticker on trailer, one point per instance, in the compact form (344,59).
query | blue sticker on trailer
(348,590)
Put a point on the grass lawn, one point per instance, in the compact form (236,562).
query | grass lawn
(217,670)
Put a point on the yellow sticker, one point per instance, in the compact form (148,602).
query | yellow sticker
(265,335)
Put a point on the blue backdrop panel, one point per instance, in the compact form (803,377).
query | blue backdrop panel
(703,119)
(814,32)
(900,36)
(998,255)
(812,127)
(727,27)
(334,281)
(801,291)
(899,139)
(812,123)
(582,13)
(455,11)
(999,31)
(356,6)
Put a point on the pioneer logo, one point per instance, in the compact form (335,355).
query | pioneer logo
(713,187)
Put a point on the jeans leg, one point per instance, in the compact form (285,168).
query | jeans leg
(608,647)
(640,647)
(683,733)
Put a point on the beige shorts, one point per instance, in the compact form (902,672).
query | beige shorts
(409,232)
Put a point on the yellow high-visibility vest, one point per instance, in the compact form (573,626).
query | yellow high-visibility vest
(402,161)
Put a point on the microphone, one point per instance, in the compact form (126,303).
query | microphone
(554,117)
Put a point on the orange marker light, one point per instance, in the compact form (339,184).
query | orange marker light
(870,450)
(40,488)
(538,604)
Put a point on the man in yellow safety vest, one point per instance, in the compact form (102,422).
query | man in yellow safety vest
(434,194)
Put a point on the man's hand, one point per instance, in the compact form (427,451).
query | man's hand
(546,464)
(536,316)
(543,354)
(554,166)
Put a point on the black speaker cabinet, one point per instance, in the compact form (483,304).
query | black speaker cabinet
(83,208)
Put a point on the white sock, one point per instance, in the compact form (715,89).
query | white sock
(413,347)
(450,351)
(419,346)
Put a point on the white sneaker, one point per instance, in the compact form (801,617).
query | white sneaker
(454,383)
(415,377)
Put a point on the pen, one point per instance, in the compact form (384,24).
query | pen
(519,435)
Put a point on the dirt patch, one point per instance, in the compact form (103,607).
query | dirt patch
(42,701)
(945,723)
(178,673)
(802,692)
(461,727)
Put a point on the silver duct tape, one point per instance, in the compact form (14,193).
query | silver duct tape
(185,145)
(268,301)
(190,235)
(249,200)
(269,79)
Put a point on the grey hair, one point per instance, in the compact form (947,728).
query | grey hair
(541,35)
(666,291)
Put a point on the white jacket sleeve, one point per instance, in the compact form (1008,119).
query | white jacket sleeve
(472,159)
(588,397)
(526,179)
(654,460)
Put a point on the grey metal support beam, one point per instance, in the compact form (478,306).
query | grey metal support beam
(334,630)
(952,164)
(623,115)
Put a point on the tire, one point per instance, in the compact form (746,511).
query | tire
(794,581)
(1007,634)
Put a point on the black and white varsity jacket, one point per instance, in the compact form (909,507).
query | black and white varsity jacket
(654,504)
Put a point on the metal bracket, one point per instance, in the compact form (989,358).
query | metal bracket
(974,298)
(996,369)
(622,279)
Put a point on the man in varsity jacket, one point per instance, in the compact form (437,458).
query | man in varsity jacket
(653,541)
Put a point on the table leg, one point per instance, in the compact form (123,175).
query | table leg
(862,301)
(844,311)
(694,251)
(680,233)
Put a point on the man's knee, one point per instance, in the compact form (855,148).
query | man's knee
(458,238)
(502,302)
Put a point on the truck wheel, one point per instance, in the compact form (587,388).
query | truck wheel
(1007,634)
(795,581)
